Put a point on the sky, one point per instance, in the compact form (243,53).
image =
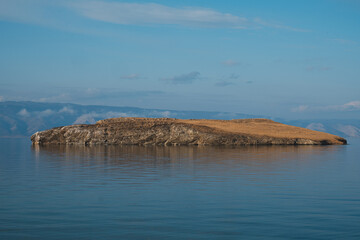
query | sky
(291,59)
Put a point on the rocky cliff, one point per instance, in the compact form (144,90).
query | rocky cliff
(167,131)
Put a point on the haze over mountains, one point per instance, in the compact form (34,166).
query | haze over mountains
(26,118)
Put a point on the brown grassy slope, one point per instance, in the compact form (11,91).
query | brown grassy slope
(258,127)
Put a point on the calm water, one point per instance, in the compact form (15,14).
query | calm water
(132,192)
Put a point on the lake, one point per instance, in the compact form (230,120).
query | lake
(132,192)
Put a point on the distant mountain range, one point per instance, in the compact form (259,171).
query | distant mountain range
(340,127)
(26,118)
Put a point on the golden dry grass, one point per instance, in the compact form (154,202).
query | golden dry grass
(262,127)
(258,127)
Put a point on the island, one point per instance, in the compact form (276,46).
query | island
(170,131)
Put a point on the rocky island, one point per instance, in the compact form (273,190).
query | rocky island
(169,131)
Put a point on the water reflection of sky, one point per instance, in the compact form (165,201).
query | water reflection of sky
(132,192)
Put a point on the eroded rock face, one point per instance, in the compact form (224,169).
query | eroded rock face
(165,131)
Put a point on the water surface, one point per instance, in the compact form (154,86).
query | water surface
(130,192)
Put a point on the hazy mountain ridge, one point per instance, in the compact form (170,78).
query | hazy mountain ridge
(340,127)
(26,118)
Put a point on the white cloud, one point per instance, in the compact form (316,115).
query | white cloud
(70,13)
(46,113)
(350,106)
(67,110)
(23,113)
(86,118)
(1,98)
(300,108)
(152,13)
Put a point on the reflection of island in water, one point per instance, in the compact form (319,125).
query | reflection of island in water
(258,158)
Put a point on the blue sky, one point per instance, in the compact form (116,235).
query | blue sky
(293,59)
